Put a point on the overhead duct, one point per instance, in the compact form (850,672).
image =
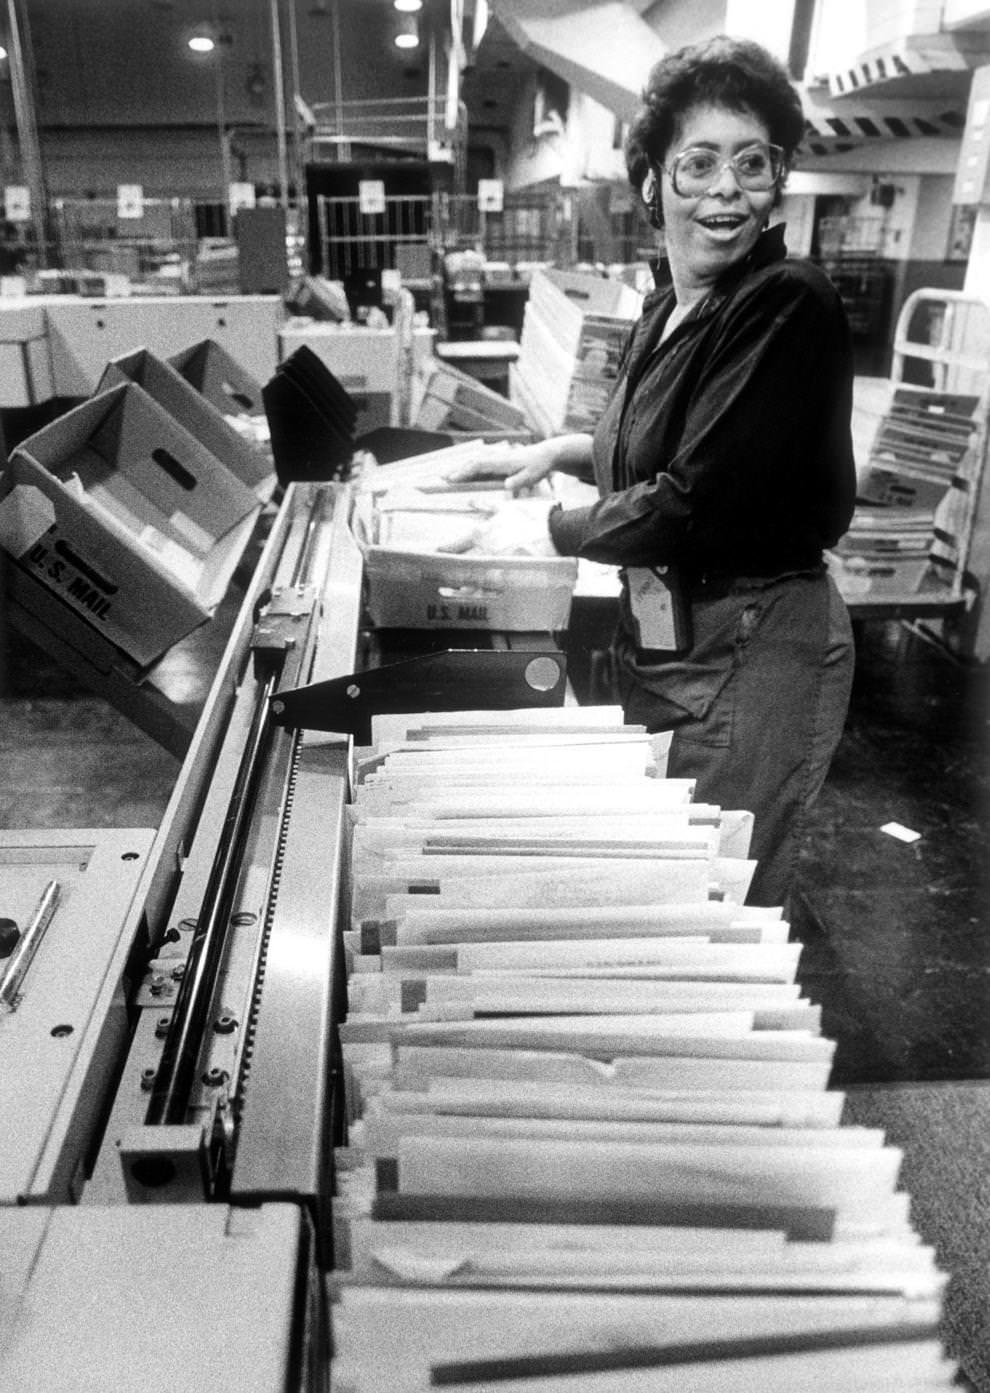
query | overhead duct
(605,50)
(947,55)
(589,46)
(835,126)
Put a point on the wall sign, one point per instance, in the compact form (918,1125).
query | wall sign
(490,195)
(130,201)
(371,196)
(240,195)
(17,203)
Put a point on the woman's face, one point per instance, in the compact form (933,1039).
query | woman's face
(709,231)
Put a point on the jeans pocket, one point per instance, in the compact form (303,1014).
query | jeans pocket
(696,696)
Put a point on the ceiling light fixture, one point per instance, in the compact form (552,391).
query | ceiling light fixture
(407,33)
(408,7)
(201,43)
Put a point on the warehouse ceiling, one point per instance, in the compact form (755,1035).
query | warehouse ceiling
(117,62)
(104,64)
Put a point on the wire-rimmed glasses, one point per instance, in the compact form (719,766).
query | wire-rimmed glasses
(695,170)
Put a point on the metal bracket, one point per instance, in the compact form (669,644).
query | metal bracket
(165,1164)
(456,680)
(281,626)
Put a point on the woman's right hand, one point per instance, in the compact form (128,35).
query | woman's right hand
(521,467)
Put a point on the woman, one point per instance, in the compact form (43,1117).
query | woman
(724,460)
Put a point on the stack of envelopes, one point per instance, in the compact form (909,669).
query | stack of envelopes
(591,1143)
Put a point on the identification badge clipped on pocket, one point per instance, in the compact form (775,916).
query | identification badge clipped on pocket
(661,615)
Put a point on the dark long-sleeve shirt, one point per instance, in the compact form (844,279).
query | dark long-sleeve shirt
(727,448)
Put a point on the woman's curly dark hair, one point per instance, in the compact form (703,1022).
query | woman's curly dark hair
(735,73)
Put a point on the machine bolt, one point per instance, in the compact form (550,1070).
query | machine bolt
(148,1078)
(214,1077)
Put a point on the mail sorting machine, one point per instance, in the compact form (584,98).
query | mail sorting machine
(166,1022)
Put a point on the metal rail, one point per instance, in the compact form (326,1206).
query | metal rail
(174,1077)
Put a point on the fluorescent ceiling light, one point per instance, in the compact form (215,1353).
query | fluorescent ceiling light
(202,43)
(407,32)
(408,7)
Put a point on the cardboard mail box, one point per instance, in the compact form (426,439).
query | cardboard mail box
(209,368)
(445,398)
(577,307)
(127,518)
(25,353)
(191,409)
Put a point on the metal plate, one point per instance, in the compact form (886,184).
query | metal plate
(59,1042)
(189,1297)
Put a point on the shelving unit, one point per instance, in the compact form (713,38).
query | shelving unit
(915,548)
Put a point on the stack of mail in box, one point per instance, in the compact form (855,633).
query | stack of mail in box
(591,1143)
(441,553)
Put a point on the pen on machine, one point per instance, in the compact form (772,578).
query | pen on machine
(23,954)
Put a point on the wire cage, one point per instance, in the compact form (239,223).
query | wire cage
(528,228)
(159,244)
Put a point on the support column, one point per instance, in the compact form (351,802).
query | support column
(22,87)
(972,187)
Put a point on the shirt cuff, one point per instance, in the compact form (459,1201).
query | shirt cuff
(567,528)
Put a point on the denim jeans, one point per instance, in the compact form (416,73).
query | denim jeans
(757,707)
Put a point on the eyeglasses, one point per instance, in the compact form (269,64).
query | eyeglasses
(695,170)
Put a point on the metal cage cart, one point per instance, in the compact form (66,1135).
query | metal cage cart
(917,546)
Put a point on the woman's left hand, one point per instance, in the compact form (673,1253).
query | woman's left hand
(521,528)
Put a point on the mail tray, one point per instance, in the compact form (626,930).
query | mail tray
(871,576)
(428,590)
